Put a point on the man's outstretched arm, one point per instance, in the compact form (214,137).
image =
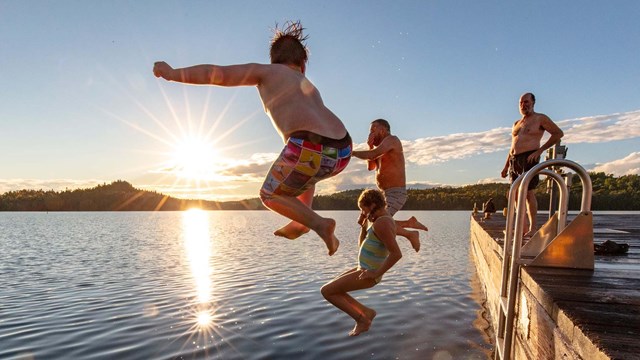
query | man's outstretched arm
(385,146)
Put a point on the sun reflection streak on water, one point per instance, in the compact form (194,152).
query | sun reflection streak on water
(198,245)
(204,316)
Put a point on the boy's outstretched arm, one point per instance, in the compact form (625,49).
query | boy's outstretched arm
(232,75)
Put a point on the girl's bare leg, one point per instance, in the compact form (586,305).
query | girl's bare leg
(363,324)
(336,292)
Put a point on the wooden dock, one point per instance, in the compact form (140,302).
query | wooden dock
(568,313)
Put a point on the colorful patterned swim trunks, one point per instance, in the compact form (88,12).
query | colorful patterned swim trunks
(306,159)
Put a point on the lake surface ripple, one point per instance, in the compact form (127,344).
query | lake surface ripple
(219,285)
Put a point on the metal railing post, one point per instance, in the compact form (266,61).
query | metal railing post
(513,242)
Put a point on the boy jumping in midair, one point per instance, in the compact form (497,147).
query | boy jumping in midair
(317,144)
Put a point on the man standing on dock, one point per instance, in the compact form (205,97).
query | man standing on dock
(525,151)
(386,156)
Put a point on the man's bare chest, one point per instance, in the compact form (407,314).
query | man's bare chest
(528,128)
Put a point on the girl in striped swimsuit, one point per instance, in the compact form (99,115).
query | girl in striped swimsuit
(379,251)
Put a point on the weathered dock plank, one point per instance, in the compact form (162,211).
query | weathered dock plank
(568,313)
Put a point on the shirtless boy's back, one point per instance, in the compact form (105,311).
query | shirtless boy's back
(318,145)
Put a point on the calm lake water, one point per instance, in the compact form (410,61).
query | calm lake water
(219,285)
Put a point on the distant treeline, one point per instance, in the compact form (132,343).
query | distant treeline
(117,196)
(609,193)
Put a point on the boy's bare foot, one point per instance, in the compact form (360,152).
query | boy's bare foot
(415,224)
(292,230)
(414,239)
(370,314)
(327,235)
(362,325)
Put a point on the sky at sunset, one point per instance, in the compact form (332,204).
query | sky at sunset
(79,105)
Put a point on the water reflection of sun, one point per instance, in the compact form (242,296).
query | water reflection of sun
(198,247)
(204,321)
(204,329)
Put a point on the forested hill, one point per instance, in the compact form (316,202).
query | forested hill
(609,193)
(117,196)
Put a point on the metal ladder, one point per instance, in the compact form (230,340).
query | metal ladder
(554,245)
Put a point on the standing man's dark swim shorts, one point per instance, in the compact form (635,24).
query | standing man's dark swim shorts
(518,165)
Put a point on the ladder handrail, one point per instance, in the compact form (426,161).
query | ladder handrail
(528,176)
(524,180)
(511,249)
(508,239)
(563,199)
(562,205)
(510,263)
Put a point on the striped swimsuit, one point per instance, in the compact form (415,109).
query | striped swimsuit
(372,253)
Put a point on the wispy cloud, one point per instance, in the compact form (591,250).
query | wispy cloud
(629,165)
(492,180)
(602,128)
(593,129)
(356,176)
(253,168)
(353,177)
(433,150)
(227,170)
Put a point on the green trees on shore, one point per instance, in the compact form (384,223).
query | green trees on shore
(609,193)
(117,196)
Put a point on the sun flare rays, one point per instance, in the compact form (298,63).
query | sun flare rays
(193,153)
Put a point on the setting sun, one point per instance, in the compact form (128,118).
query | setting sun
(195,159)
